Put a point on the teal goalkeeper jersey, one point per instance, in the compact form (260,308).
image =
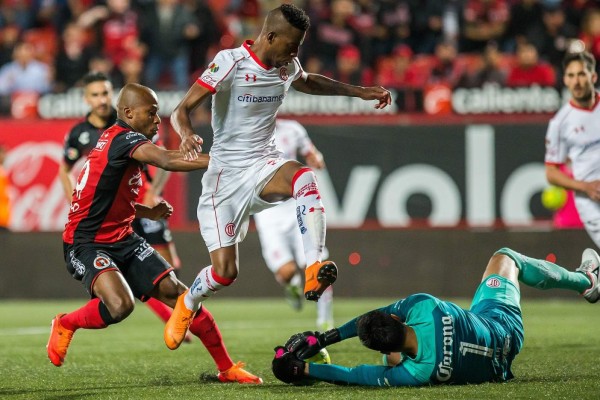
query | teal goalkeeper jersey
(454,346)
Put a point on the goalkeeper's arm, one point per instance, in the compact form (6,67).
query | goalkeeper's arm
(362,375)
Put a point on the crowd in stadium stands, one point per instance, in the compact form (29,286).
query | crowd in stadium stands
(48,45)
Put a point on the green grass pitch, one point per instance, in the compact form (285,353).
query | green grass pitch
(130,361)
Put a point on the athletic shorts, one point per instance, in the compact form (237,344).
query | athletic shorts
(141,265)
(497,299)
(229,197)
(156,233)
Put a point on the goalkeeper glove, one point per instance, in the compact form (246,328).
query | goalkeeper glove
(307,344)
(287,367)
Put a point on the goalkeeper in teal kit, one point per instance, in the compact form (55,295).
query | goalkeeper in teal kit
(429,341)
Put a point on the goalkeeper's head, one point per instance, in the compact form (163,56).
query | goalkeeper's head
(381,332)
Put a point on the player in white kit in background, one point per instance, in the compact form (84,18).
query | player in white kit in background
(247,173)
(573,136)
(277,227)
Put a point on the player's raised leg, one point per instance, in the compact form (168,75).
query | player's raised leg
(311,220)
(542,274)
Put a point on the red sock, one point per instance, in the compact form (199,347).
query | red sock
(87,317)
(159,308)
(205,327)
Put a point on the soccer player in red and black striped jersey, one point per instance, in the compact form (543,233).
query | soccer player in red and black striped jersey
(101,250)
(79,142)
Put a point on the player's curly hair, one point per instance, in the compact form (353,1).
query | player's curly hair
(585,57)
(295,16)
(380,332)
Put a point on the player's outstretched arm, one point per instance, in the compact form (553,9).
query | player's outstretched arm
(191,144)
(170,160)
(322,85)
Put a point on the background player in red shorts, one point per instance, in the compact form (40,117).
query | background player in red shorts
(101,250)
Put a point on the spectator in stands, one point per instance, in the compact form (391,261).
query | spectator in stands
(16,12)
(116,33)
(349,68)
(24,73)
(391,26)
(4,193)
(490,72)
(167,28)
(525,15)
(209,34)
(483,20)
(590,32)
(396,72)
(445,69)
(528,70)
(9,36)
(426,27)
(553,36)
(72,61)
(333,33)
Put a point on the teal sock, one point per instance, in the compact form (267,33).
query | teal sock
(542,274)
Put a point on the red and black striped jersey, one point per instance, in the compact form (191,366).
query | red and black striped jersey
(104,198)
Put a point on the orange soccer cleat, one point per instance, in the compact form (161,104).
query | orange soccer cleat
(319,276)
(238,374)
(60,338)
(177,326)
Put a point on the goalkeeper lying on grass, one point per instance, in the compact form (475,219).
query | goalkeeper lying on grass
(429,341)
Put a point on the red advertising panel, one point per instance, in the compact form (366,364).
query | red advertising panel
(35,149)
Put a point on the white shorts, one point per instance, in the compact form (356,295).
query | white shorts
(280,237)
(229,196)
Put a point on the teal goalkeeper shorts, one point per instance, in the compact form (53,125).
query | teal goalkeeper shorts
(498,299)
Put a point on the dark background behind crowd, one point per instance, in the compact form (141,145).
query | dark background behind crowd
(48,45)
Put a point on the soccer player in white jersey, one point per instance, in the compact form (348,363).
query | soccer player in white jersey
(277,227)
(247,173)
(573,136)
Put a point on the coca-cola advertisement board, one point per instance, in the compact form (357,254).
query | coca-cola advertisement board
(34,154)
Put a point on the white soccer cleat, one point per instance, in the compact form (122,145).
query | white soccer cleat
(590,265)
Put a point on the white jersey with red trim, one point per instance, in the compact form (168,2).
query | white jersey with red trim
(574,134)
(246,97)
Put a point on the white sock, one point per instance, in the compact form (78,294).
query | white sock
(205,285)
(310,214)
(325,309)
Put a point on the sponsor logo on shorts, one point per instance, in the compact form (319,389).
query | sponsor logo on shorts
(101,262)
(78,265)
(143,251)
(230,229)
(493,283)
(283,73)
